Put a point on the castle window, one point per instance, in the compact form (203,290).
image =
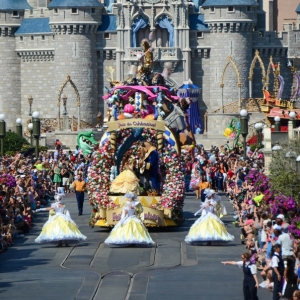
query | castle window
(74,11)
(32,37)
(212,9)
(93,10)
(248,8)
(21,39)
(230,9)
(15,14)
(199,35)
(55,11)
(106,35)
(43,37)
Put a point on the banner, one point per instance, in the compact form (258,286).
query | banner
(153,217)
(136,123)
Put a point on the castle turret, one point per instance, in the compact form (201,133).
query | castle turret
(75,25)
(298,16)
(11,16)
(231,24)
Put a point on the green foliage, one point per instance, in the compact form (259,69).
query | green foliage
(284,177)
(13,143)
(254,146)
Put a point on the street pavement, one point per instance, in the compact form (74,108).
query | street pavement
(92,270)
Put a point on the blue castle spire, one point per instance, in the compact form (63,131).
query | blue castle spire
(14,5)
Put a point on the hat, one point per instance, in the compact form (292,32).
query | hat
(265,222)
(281,216)
(34,171)
(22,176)
(212,192)
(277,227)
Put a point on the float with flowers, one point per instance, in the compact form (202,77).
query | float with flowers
(140,150)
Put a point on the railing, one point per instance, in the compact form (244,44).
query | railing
(159,54)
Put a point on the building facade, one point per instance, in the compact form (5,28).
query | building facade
(212,43)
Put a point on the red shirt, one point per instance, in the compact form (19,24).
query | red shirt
(230,174)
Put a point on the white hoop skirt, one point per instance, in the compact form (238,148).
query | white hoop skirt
(208,228)
(58,228)
(129,230)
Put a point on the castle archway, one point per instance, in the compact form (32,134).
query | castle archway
(256,59)
(231,63)
(59,98)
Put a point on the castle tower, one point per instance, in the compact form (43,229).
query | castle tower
(231,24)
(75,24)
(11,16)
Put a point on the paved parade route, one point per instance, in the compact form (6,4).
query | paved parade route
(91,270)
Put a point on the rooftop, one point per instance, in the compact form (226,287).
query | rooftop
(109,23)
(197,22)
(208,3)
(14,5)
(298,9)
(34,26)
(73,3)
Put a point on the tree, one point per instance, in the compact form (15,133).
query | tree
(284,176)
(13,142)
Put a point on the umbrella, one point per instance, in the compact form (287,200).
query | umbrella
(188,89)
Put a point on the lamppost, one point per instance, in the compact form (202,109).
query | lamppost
(64,99)
(2,132)
(30,127)
(259,128)
(36,130)
(244,128)
(292,116)
(277,123)
(276,147)
(298,164)
(30,100)
(19,128)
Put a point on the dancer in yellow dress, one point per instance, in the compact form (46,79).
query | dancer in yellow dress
(208,228)
(130,229)
(59,227)
(126,181)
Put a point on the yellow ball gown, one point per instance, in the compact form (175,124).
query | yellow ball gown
(208,227)
(130,229)
(125,182)
(59,227)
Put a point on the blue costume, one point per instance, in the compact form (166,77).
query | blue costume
(152,168)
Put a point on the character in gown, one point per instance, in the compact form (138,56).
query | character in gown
(208,228)
(59,227)
(220,208)
(126,181)
(130,229)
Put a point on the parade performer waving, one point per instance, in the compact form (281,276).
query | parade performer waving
(59,227)
(130,229)
(208,227)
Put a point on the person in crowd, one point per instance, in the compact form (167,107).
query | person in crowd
(277,266)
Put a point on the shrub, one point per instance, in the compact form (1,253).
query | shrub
(13,143)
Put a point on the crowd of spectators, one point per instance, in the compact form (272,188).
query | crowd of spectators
(270,245)
(32,184)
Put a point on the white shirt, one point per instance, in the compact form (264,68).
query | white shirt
(286,244)
(274,261)
(252,268)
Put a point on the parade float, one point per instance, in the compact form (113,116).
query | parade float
(140,151)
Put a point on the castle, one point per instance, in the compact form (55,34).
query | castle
(213,44)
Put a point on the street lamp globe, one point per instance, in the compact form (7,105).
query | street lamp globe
(2,117)
(30,126)
(36,114)
(298,159)
(290,154)
(277,119)
(292,115)
(276,147)
(19,121)
(243,113)
(258,126)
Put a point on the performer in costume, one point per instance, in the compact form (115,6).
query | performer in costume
(130,229)
(220,208)
(208,227)
(126,181)
(59,227)
(150,166)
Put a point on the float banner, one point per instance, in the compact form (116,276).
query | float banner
(113,216)
(136,123)
(153,216)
